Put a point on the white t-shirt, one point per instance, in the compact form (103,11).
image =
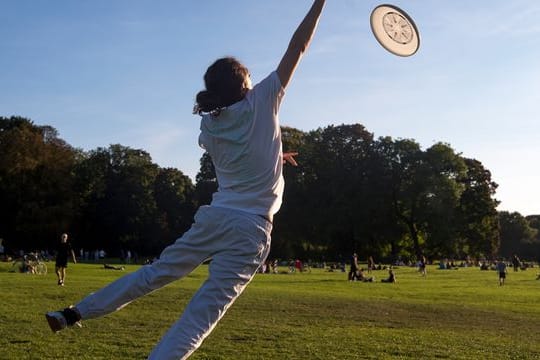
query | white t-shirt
(244,142)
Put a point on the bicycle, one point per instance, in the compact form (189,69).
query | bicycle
(30,263)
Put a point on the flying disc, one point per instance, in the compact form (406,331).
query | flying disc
(395,30)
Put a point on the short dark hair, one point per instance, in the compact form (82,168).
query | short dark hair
(224,82)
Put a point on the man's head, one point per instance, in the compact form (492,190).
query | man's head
(227,81)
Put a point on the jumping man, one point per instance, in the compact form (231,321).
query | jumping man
(240,131)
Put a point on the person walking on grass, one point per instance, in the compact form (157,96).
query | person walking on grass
(240,131)
(501,269)
(516,263)
(422,264)
(370,264)
(353,273)
(63,251)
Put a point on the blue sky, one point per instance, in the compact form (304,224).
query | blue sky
(105,72)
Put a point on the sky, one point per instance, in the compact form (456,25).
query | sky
(126,72)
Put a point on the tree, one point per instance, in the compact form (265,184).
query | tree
(479,221)
(118,203)
(35,184)
(425,193)
(287,236)
(515,233)
(392,232)
(445,168)
(350,193)
(91,181)
(533,249)
(174,199)
(409,189)
(329,185)
(206,181)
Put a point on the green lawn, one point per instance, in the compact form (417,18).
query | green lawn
(450,314)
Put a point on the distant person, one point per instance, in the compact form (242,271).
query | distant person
(501,269)
(370,264)
(263,267)
(29,263)
(298,265)
(112,267)
(422,264)
(240,130)
(391,277)
(353,273)
(63,251)
(2,250)
(362,276)
(516,263)
(290,265)
(275,266)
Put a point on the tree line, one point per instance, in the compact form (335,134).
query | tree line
(350,193)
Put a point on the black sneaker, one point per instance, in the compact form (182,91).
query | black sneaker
(61,319)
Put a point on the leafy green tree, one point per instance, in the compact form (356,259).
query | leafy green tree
(126,202)
(205,181)
(479,220)
(393,240)
(118,207)
(515,233)
(289,234)
(410,190)
(534,222)
(35,184)
(332,175)
(440,208)
(174,199)
(384,197)
(425,193)
(131,214)
(533,250)
(91,181)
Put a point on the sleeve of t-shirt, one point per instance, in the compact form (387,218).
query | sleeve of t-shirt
(269,92)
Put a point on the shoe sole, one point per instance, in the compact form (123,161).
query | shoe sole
(54,323)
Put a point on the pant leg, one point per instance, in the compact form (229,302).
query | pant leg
(176,261)
(246,244)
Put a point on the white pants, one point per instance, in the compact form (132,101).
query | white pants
(238,244)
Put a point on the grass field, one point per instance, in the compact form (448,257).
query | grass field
(450,314)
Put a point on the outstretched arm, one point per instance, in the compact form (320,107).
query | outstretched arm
(299,43)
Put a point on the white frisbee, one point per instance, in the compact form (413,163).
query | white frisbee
(395,30)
